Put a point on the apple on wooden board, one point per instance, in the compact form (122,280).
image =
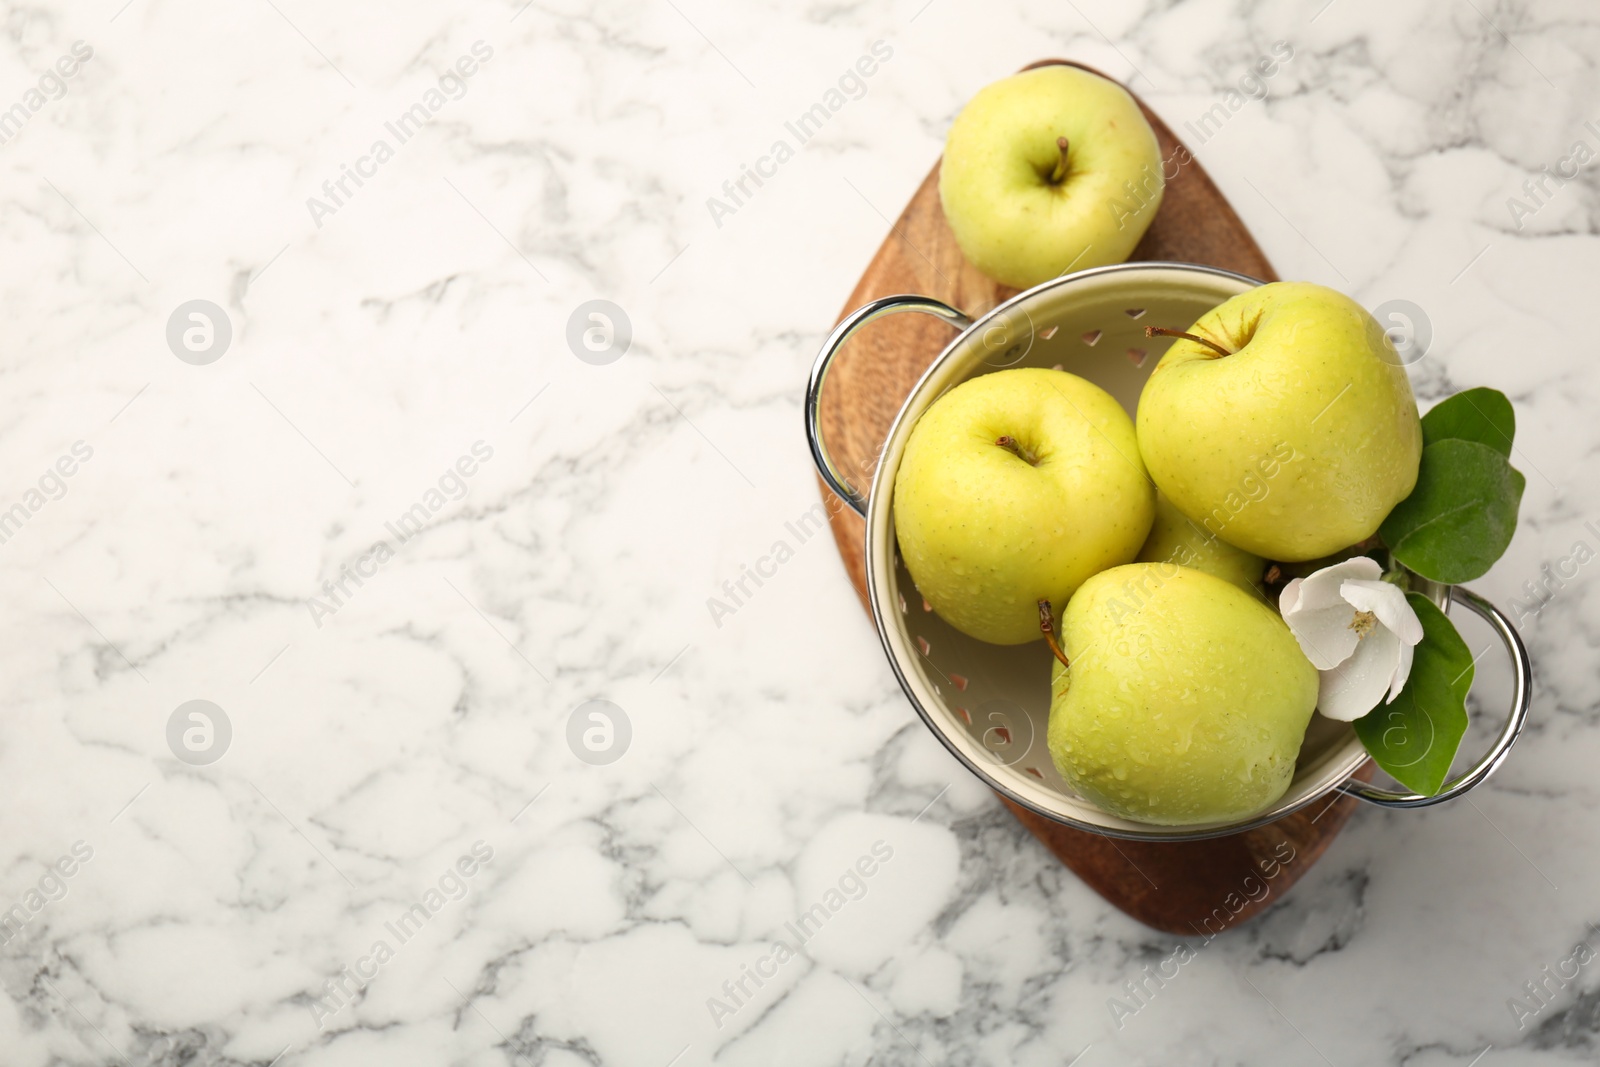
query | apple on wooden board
(1283,422)
(1186,699)
(1015,486)
(1176,538)
(1051,169)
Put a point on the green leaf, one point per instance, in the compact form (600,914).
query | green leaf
(1415,738)
(1460,517)
(1481,415)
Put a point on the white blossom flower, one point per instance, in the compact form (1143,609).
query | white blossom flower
(1357,630)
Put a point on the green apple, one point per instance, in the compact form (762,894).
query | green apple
(1186,701)
(1013,488)
(1025,209)
(1176,538)
(1286,425)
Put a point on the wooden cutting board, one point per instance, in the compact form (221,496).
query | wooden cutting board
(1198,887)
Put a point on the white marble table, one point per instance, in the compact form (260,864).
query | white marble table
(398,532)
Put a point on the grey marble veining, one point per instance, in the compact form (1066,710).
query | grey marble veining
(401,534)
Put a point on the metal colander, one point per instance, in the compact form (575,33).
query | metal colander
(990,704)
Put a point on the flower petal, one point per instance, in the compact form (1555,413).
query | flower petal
(1388,602)
(1321,590)
(1289,599)
(1356,686)
(1401,673)
(1325,636)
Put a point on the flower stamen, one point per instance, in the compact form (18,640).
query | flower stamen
(1364,623)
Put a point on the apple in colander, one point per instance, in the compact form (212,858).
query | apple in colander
(1015,486)
(1177,698)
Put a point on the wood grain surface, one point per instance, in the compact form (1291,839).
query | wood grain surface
(1194,888)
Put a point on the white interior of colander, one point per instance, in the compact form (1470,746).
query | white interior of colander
(990,704)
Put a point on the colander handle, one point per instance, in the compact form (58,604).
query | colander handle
(889,305)
(1521,701)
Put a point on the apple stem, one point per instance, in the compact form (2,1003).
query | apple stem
(1153,331)
(1059,175)
(1010,444)
(1047,626)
